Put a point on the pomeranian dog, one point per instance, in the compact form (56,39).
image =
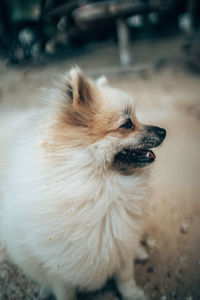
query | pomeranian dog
(74,189)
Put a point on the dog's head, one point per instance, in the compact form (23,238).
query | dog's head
(102,118)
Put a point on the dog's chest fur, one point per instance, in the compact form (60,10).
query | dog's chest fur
(93,236)
(70,221)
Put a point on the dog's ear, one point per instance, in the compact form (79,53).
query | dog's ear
(79,89)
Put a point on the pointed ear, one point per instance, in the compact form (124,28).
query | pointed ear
(102,81)
(79,88)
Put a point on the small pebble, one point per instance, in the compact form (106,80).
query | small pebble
(163,297)
(184,228)
(151,243)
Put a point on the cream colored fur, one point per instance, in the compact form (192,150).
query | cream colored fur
(67,219)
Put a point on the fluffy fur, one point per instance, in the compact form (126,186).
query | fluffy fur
(70,217)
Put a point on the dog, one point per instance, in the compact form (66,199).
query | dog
(74,192)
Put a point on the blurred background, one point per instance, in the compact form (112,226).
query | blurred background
(40,30)
(151,49)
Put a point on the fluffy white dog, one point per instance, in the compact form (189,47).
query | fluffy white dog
(73,189)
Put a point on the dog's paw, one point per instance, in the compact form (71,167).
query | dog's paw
(137,295)
(44,293)
(140,295)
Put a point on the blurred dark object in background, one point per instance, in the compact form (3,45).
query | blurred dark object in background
(192,51)
(36,29)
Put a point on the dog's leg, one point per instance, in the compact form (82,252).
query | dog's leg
(63,292)
(127,285)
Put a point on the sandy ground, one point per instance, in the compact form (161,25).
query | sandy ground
(168,97)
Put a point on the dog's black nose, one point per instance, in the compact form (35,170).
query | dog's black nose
(161,132)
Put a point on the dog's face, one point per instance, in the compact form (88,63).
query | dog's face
(103,119)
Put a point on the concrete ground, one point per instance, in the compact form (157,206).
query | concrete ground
(166,94)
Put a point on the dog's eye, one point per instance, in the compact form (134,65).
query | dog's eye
(128,124)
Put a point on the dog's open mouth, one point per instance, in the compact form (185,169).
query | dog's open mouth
(137,157)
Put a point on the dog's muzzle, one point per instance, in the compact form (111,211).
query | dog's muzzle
(141,155)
